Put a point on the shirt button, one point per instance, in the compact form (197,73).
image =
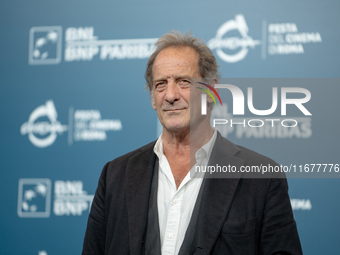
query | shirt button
(171,236)
(175,201)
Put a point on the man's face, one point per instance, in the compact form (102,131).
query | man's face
(172,71)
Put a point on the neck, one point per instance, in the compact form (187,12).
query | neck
(176,142)
(186,142)
(180,148)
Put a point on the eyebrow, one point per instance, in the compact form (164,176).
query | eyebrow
(176,77)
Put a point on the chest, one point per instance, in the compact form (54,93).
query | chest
(180,167)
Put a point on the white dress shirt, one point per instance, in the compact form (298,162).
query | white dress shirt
(175,206)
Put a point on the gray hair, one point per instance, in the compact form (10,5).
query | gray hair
(207,63)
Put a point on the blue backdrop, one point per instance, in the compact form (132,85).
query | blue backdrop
(72,98)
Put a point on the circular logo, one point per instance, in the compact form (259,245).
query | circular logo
(232,43)
(51,127)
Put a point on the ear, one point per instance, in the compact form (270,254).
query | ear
(153,103)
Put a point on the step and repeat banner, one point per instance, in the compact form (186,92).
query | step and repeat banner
(72,98)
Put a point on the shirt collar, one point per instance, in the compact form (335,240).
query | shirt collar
(206,149)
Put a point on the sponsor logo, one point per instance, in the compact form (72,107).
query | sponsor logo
(233,49)
(34,198)
(81,44)
(45,45)
(37,131)
(43,127)
(89,126)
(232,42)
(70,198)
(284,39)
(301,204)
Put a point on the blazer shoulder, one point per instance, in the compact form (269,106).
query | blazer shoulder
(122,161)
(253,157)
(260,162)
(248,155)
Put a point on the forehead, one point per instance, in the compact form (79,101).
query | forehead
(171,61)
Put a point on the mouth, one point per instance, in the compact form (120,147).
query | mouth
(173,110)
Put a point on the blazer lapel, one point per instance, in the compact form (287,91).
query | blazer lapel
(139,177)
(217,197)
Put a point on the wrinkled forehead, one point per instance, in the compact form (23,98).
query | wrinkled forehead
(176,60)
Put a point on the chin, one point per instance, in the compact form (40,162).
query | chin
(175,127)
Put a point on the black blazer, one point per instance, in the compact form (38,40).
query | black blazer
(236,216)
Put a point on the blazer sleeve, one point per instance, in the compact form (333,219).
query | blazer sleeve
(95,236)
(279,233)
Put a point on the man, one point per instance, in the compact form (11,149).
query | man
(146,201)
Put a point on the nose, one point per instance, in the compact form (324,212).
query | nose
(172,93)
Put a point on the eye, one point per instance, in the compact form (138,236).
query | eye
(184,83)
(159,86)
